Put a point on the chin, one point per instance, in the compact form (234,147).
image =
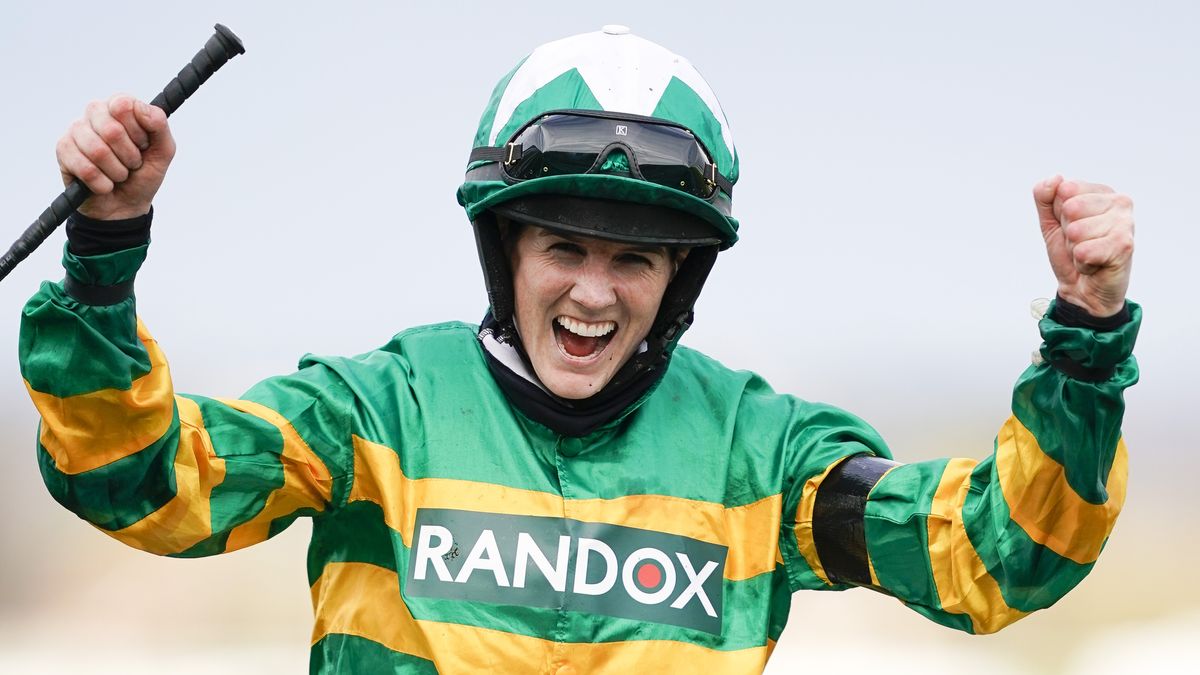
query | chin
(575,387)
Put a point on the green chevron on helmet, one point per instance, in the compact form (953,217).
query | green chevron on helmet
(611,71)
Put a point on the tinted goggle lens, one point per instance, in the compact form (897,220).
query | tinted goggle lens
(558,145)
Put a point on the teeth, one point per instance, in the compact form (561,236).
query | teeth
(585,329)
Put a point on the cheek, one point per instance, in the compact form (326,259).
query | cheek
(645,296)
(535,287)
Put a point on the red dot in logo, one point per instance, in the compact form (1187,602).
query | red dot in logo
(648,576)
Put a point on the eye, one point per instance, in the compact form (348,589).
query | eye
(568,248)
(635,259)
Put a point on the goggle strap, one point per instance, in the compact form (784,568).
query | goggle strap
(717,179)
(505,155)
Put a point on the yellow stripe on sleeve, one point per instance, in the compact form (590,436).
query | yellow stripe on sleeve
(804,522)
(364,600)
(307,482)
(1042,502)
(186,519)
(750,531)
(964,585)
(88,431)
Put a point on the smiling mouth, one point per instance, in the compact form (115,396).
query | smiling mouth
(581,339)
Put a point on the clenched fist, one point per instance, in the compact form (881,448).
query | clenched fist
(1088,230)
(120,149)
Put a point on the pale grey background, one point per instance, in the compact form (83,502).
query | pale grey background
(889,254)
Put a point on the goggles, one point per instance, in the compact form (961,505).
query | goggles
(571,142)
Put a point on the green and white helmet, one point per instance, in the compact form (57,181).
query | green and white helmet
(609,135)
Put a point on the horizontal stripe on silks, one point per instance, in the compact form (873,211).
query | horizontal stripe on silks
(355,532)
(271,476)
(121,492)
(749,609)
(89,430)
(1084,446)
(185,520)
(364,600)
(250,447)
(964,585)
(921,551)
(344,654)
(307,483)
(1045,505)
(754,608)
(750,531)
(1031,576)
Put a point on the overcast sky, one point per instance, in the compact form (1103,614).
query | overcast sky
(889,244)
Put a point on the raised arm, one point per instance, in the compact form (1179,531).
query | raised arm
(977,545)
(171,474)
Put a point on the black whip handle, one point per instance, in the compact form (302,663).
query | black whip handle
(222,46)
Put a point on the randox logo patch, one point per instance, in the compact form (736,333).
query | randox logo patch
(536,561)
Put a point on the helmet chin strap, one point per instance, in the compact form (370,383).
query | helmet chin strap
(497,274)
(675,312)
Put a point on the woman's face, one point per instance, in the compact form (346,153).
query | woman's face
(584,305)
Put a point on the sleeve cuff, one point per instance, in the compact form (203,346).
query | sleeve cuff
(1088,352)
(88,236)
(1069,314)
(103,279)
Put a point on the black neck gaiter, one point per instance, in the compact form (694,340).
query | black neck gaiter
(563,416)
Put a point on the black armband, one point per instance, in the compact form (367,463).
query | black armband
(88,236)
(838,529)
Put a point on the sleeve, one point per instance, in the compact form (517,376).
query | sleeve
(169,473)
(977,545)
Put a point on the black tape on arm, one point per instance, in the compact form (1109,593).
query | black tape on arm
(838,527)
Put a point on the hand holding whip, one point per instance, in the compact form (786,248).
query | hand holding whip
(219,48)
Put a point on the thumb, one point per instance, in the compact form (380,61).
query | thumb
(152,118)
(154,121)
(1043,196)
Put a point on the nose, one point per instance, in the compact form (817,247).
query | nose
(594,287)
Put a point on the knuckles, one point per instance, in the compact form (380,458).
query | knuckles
(1073,208)
(94,150)
(1123,243)
(95,107)
(1075,231)
(1122,201)
(78,129)
(88,173)
(64,146)
(121,104)
(1092,204)
(111,131)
